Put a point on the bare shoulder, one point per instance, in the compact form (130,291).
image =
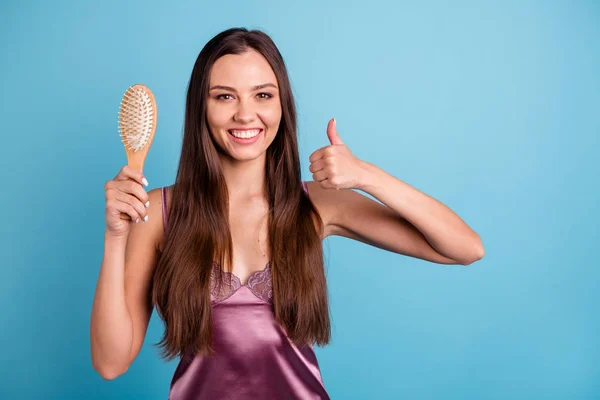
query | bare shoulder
(151,231)
(168,195)
(156,196)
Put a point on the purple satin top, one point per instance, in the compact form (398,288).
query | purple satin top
(254,358)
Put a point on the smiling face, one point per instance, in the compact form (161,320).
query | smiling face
(243,107)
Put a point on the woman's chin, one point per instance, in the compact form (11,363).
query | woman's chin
(245,155)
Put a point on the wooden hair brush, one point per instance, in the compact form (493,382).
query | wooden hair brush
(137,125)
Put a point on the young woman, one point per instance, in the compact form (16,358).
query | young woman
(231,254)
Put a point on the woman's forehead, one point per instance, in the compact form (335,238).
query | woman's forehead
(242,71)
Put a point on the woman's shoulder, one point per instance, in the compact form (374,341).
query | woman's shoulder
(161,196)
(158,210)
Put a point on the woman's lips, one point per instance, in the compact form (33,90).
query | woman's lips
(245,140)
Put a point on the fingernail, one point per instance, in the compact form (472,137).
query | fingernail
(137,220)
(145,182)
(147,204)
(146,218)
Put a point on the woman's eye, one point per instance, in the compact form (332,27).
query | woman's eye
(265,95)
(221,96)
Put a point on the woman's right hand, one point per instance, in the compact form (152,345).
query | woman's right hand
(125,194)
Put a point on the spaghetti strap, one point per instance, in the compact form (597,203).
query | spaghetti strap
(164,207)
(305,187)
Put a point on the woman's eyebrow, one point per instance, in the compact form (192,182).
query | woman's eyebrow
(257,87)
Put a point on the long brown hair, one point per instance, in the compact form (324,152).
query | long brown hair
(198,228)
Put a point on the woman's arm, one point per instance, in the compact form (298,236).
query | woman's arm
(122,303)
(408,222)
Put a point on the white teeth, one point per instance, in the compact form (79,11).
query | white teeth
(245,134)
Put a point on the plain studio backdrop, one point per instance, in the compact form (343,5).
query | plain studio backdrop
(493,109)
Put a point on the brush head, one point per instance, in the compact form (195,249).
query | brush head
(137,118)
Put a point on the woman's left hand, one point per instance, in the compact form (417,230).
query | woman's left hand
(334,166)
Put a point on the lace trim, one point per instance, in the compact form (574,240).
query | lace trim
(229,283)
(260,283)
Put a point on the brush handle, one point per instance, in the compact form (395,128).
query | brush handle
(135,160)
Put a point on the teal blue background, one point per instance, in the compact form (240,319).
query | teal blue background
(492,109)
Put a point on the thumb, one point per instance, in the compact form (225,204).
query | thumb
(332,133)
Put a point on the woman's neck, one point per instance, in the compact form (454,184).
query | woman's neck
(244,178)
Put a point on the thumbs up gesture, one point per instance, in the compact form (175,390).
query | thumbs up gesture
(334,166)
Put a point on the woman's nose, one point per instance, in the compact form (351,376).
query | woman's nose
(244,112)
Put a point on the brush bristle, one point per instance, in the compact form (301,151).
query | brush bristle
(136,118)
